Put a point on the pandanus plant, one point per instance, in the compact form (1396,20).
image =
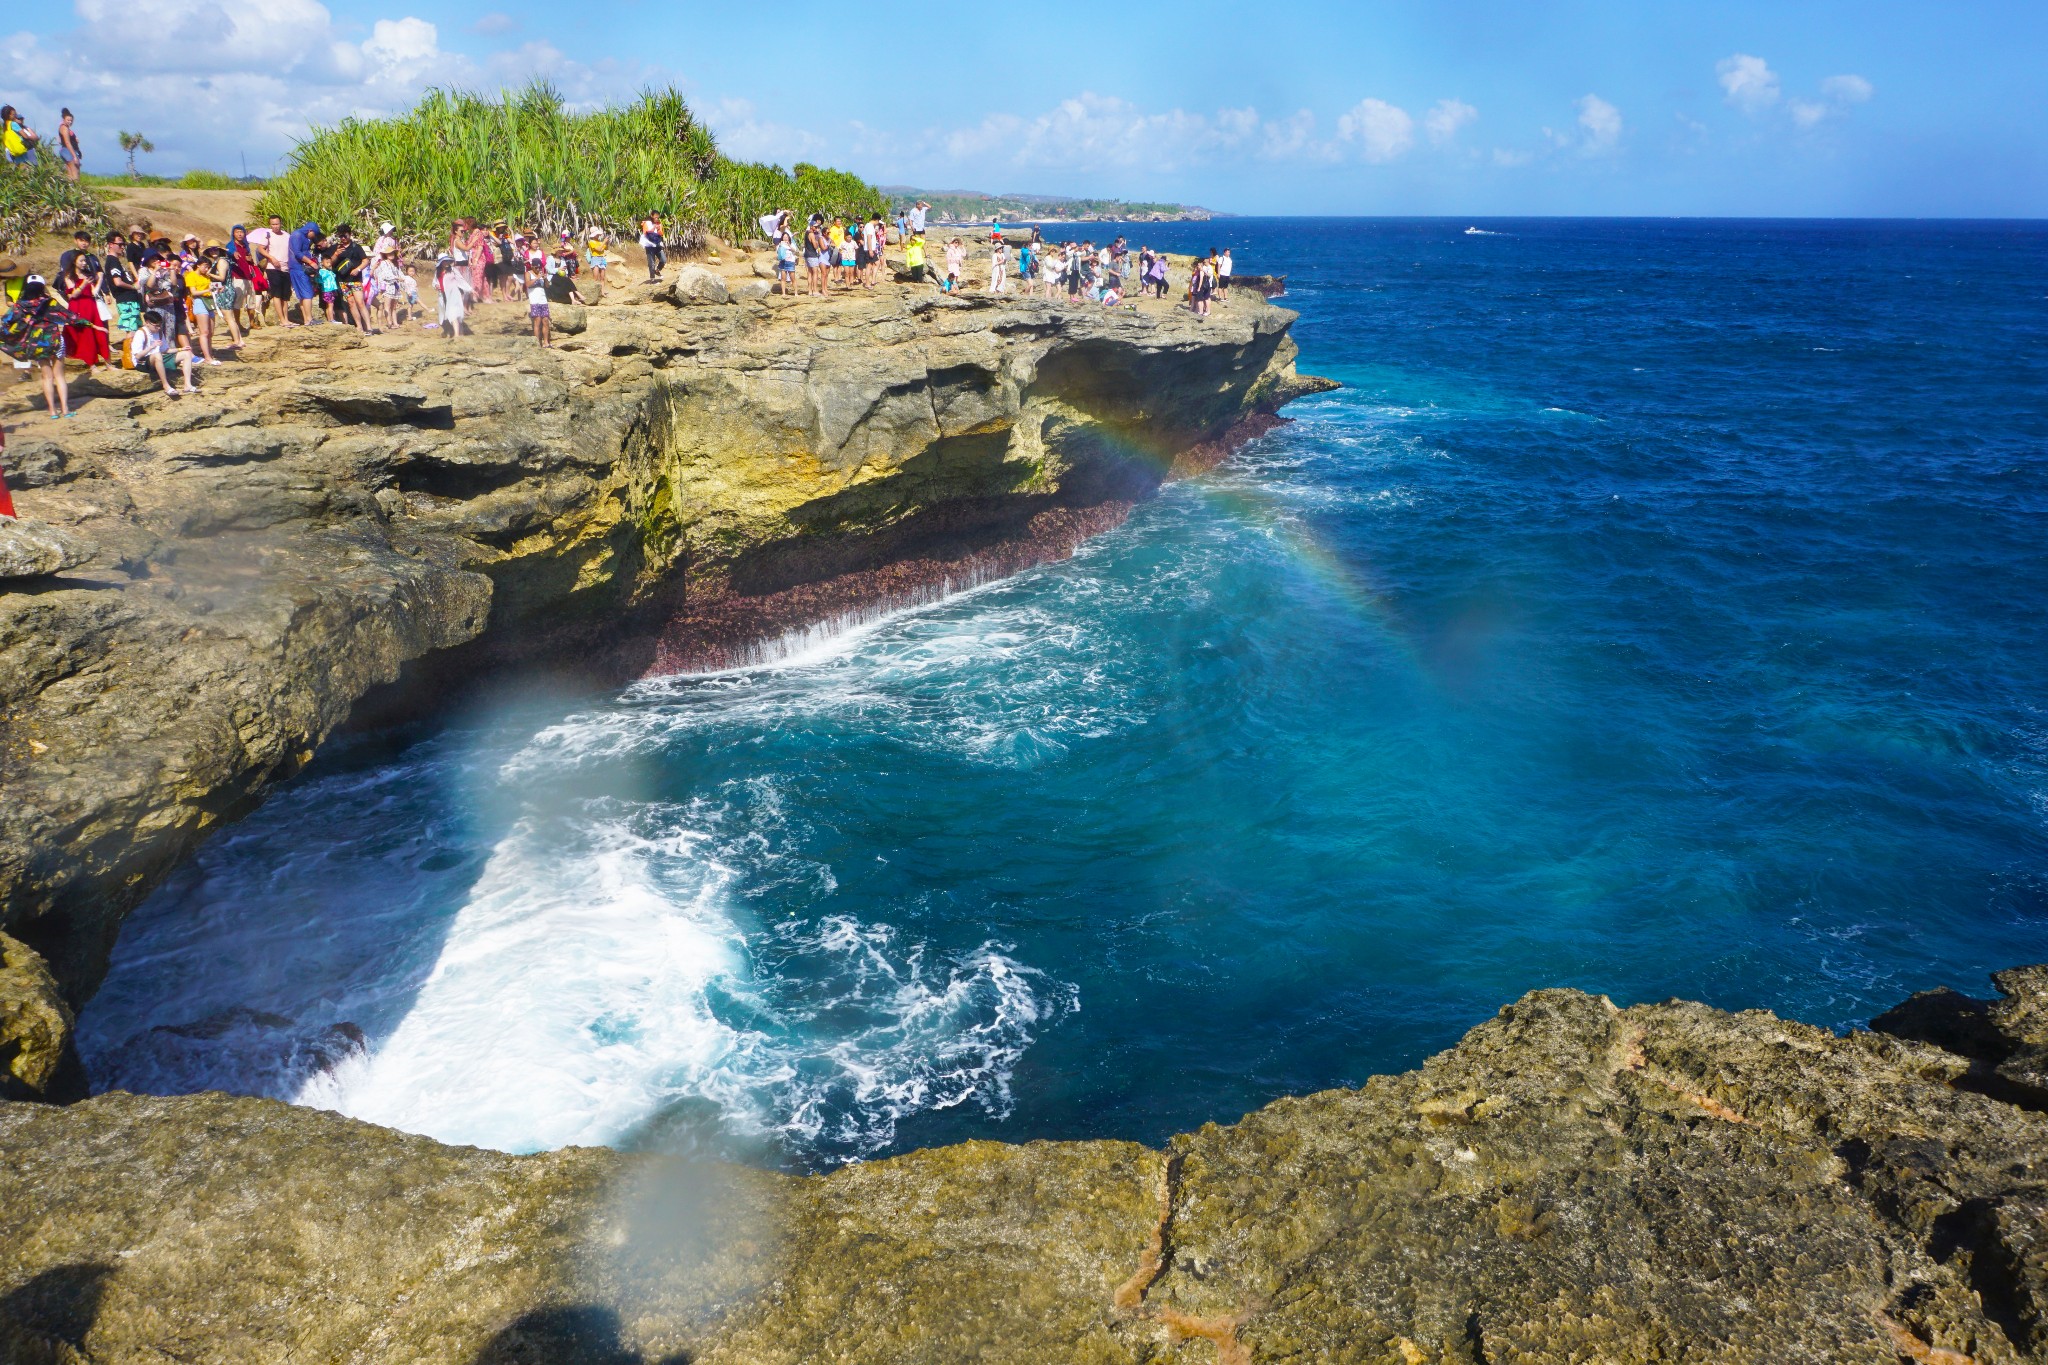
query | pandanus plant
(525,157)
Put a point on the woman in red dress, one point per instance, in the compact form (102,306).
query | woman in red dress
(87,342)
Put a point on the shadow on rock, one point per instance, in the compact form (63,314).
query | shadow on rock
(567,1334)
(45,1321)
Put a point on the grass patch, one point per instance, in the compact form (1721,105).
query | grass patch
(37,198)
(524,157)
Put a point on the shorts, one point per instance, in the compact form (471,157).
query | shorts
(814,262)
(279,284)
(302,286)
(599,262)
(201,307)
(536,310)
(786,268)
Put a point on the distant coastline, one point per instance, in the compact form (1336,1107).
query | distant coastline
(974,206)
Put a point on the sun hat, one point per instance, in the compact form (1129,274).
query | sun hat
(35,279)
(383,227)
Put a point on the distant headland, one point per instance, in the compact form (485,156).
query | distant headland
(973,206)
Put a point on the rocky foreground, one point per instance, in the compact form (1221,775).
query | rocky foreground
(1571,1182)
(344,527)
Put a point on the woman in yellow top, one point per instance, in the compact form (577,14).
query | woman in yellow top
(837,233)
(913,259)
(600,248)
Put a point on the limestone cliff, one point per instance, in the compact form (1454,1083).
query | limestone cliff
(347,525)
(1571,1183)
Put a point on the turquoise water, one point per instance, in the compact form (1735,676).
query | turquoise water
(1657,611)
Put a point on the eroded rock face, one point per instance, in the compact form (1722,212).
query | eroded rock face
(35,1024)
(1572,1182)
(350,525)
(30,550)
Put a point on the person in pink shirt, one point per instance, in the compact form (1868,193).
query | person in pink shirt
(273,248)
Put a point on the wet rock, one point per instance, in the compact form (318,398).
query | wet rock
(30,549)
(243,1050)
(35,1023)
(694,284)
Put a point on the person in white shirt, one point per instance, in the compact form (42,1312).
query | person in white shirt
(917,218)
(1223,269)
(452,282)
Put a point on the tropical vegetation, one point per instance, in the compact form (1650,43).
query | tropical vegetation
(525,157)
(37,198)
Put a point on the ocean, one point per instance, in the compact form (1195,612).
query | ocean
(1656,611)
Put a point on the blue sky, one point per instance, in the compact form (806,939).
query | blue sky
(1799,107)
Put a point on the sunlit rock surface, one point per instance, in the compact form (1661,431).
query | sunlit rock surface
(1572,1182)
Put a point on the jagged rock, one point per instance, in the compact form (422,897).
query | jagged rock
(30,549)
(764,270)
(2007,1037)
(1571,1183)
(568,318)
(754,289)
(694,284)
(35,1023)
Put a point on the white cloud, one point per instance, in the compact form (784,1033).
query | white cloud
(1444,120)
(1383,131)
(267,72)
(1750,83)
(1601,123)
(1091,132)
(743,133)
(1511,157)
(489,25)
(1847,89)
(1837,94)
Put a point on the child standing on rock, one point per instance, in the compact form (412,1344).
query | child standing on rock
(537,309)
(956,261)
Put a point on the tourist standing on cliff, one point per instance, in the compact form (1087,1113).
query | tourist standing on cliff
(273,252)
(17,139)
(79,277)
(817,257)
(999,267)
(654,245)
(917,217)
(785,262)
(68,149)
(304,245)
(956,262)
(34,330)
(451,282)
(1223,269)
(913,259)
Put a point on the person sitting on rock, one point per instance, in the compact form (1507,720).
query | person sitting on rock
(147,347)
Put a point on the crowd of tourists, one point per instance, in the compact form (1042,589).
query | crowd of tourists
(140,300)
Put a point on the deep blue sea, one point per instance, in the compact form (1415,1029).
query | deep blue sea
(1657,610)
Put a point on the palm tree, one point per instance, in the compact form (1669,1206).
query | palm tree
(132,143)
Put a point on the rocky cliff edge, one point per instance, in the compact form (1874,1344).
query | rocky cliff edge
(343,525)
(1571,1183)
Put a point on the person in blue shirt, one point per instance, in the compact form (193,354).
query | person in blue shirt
(305,270)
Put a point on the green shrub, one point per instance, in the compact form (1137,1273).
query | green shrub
(207,180)
(37,198)
(526,159)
